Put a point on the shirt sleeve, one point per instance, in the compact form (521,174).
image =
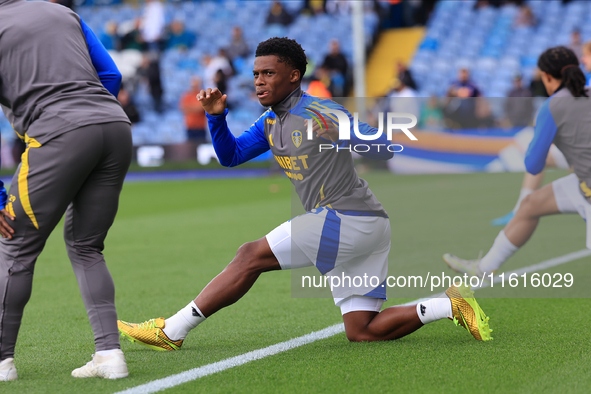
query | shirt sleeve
(233,151)
(544,133)
(101,60)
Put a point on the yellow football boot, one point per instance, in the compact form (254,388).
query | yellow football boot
(149,333)
(468,313)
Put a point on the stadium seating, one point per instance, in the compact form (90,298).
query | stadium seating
(487,41)
(484,40)
(178,67)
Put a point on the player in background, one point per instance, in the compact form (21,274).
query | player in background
(531,182)
(564,119)
(346,230)
(57,87)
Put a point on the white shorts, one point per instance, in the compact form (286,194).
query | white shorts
(570,200)
(341,244)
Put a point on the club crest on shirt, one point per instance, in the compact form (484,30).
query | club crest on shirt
(296,137)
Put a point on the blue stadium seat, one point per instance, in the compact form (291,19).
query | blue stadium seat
(177,67)
(488,39)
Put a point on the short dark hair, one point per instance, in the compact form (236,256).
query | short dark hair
(287,50)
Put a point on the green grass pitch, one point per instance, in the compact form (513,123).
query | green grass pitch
(171,238)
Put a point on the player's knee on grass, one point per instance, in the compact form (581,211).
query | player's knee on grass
(359,337)
(364,335)
(256,256)
(357,326)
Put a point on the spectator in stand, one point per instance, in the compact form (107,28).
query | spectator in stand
(484,116)
(195,119)
(229,69)
(451,110)
(153,24)
(179,38)
(410,11)
(403,99)
(220,81)
(464,87)
(519,107)
(525,18)
(238,46)
(278,15)
(461,106)
(212,65)
(576,45)
(338,7)
(335,60)
(128,105)
(132,37)
(318,86)
(405,76)
(586,60)
(536,86)
(149,71)
(336,64)
(431,115)
(481,4)
(424,11)
(109,37)
(314,7)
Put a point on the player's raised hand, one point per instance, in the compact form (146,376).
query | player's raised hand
(212,101)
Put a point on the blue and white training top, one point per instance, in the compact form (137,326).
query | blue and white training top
(322,178)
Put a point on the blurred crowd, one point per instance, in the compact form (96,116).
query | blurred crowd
(137,46)
(465,107)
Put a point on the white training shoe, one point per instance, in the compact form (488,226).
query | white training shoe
(7,370)
(470,267)
(112,366)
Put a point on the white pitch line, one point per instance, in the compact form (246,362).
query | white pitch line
(209,369)
(193,374)
(567,258)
